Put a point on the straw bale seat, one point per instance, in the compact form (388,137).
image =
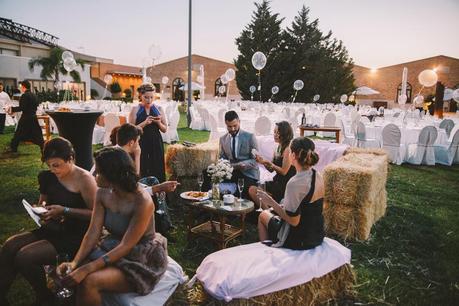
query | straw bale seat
(355,193)
(255,274)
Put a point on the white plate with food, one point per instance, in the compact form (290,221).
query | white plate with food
(195,195)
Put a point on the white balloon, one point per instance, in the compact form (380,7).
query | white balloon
(259,60)
(165,80)
(456,95)
(230,74)
(298,85)
(316,98)
(402,99)
(224,79)
(69,64)
(252,88)
(147,80)
(343,98)
(351,98)
(199,78)
(448,94)
(222,89)
(154,51)
(66,54)
(418,100)
(428,78)
(275,90)
(108,78)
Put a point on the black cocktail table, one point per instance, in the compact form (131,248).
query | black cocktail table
(77,126)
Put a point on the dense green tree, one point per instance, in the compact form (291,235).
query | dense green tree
(263,34)
(53,65)
(301,52)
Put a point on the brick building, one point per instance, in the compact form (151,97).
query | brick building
(387,80)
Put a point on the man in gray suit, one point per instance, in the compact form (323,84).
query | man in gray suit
(237,146)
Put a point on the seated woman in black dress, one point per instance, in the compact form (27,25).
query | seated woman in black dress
(283,134)
(298,223)
(132,258)
(69,192)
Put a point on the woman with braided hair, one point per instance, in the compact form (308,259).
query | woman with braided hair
(297,223)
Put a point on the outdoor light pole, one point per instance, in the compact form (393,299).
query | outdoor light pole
(188,114)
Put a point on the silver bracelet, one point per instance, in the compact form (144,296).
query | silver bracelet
(66,210)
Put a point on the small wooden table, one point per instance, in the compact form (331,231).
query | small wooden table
(217,231)
(46,127)
(334,129)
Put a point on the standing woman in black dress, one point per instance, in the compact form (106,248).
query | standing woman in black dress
(152,120)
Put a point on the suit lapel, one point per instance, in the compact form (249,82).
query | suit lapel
(238,146)
(228,146)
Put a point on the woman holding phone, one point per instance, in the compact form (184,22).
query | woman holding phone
(151,119)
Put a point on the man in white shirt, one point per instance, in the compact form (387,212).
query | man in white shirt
(5,102)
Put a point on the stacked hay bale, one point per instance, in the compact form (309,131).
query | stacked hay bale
(336,285)
(355,193)
(185,163)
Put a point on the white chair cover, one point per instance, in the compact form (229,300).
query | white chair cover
(362,140)
(391,136)
(196,121)
(347,139)
(448,155)
(163,290)
(447,125)
(171,134)
(262,126)
(423,152)
(111,121)
(329,120)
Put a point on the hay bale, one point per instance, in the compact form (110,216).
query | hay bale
(355,194)
(335,285)
(184,161)
(356,150)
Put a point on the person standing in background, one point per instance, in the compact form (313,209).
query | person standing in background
(28,127)
(5,101)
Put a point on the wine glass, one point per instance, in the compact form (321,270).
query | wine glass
(240,186)
(261,188)
(62,292)
(200,181)
(161,196)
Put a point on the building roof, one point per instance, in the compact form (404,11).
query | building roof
(194,56)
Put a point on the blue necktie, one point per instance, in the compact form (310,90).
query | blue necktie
(234,147)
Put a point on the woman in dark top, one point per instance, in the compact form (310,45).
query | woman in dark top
(298,223)
(132,258)
(151,119)
(281,164)
(68,193)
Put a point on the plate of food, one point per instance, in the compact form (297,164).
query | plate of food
(195,195)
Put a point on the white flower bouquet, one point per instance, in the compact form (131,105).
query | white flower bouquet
(220,171)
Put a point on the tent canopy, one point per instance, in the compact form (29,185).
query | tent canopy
(194,86)
(366,91)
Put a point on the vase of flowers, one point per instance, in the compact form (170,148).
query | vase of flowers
(218,172)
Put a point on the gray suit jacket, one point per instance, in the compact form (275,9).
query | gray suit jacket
(246,143)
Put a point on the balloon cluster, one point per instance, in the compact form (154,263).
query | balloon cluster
(69,61)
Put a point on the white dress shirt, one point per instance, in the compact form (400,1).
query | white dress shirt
(236,142)
(4,101)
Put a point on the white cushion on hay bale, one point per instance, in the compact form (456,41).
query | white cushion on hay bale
(160,294)
(255,269)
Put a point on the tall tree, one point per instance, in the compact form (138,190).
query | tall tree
(263,34)
(322,63)
(53,65)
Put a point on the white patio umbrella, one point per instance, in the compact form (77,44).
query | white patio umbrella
(366,91)
(194,86)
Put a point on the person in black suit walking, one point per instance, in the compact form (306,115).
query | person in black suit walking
(28,127)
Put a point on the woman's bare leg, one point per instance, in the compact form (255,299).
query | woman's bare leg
(263,220)
(112,279)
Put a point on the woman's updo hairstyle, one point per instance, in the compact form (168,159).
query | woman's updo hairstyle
(58,148)
(146,87)
(117,168)
(304,148)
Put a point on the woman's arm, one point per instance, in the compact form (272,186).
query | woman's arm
(132,115)
(94,230)
(136,229)
(286,163)
(161,122)
(268,200)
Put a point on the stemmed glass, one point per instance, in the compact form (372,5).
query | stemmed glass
(200,181)
(161,196)
(62,292)
(261,188)
(240,187)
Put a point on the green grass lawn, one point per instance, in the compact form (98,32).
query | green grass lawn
(411,257)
